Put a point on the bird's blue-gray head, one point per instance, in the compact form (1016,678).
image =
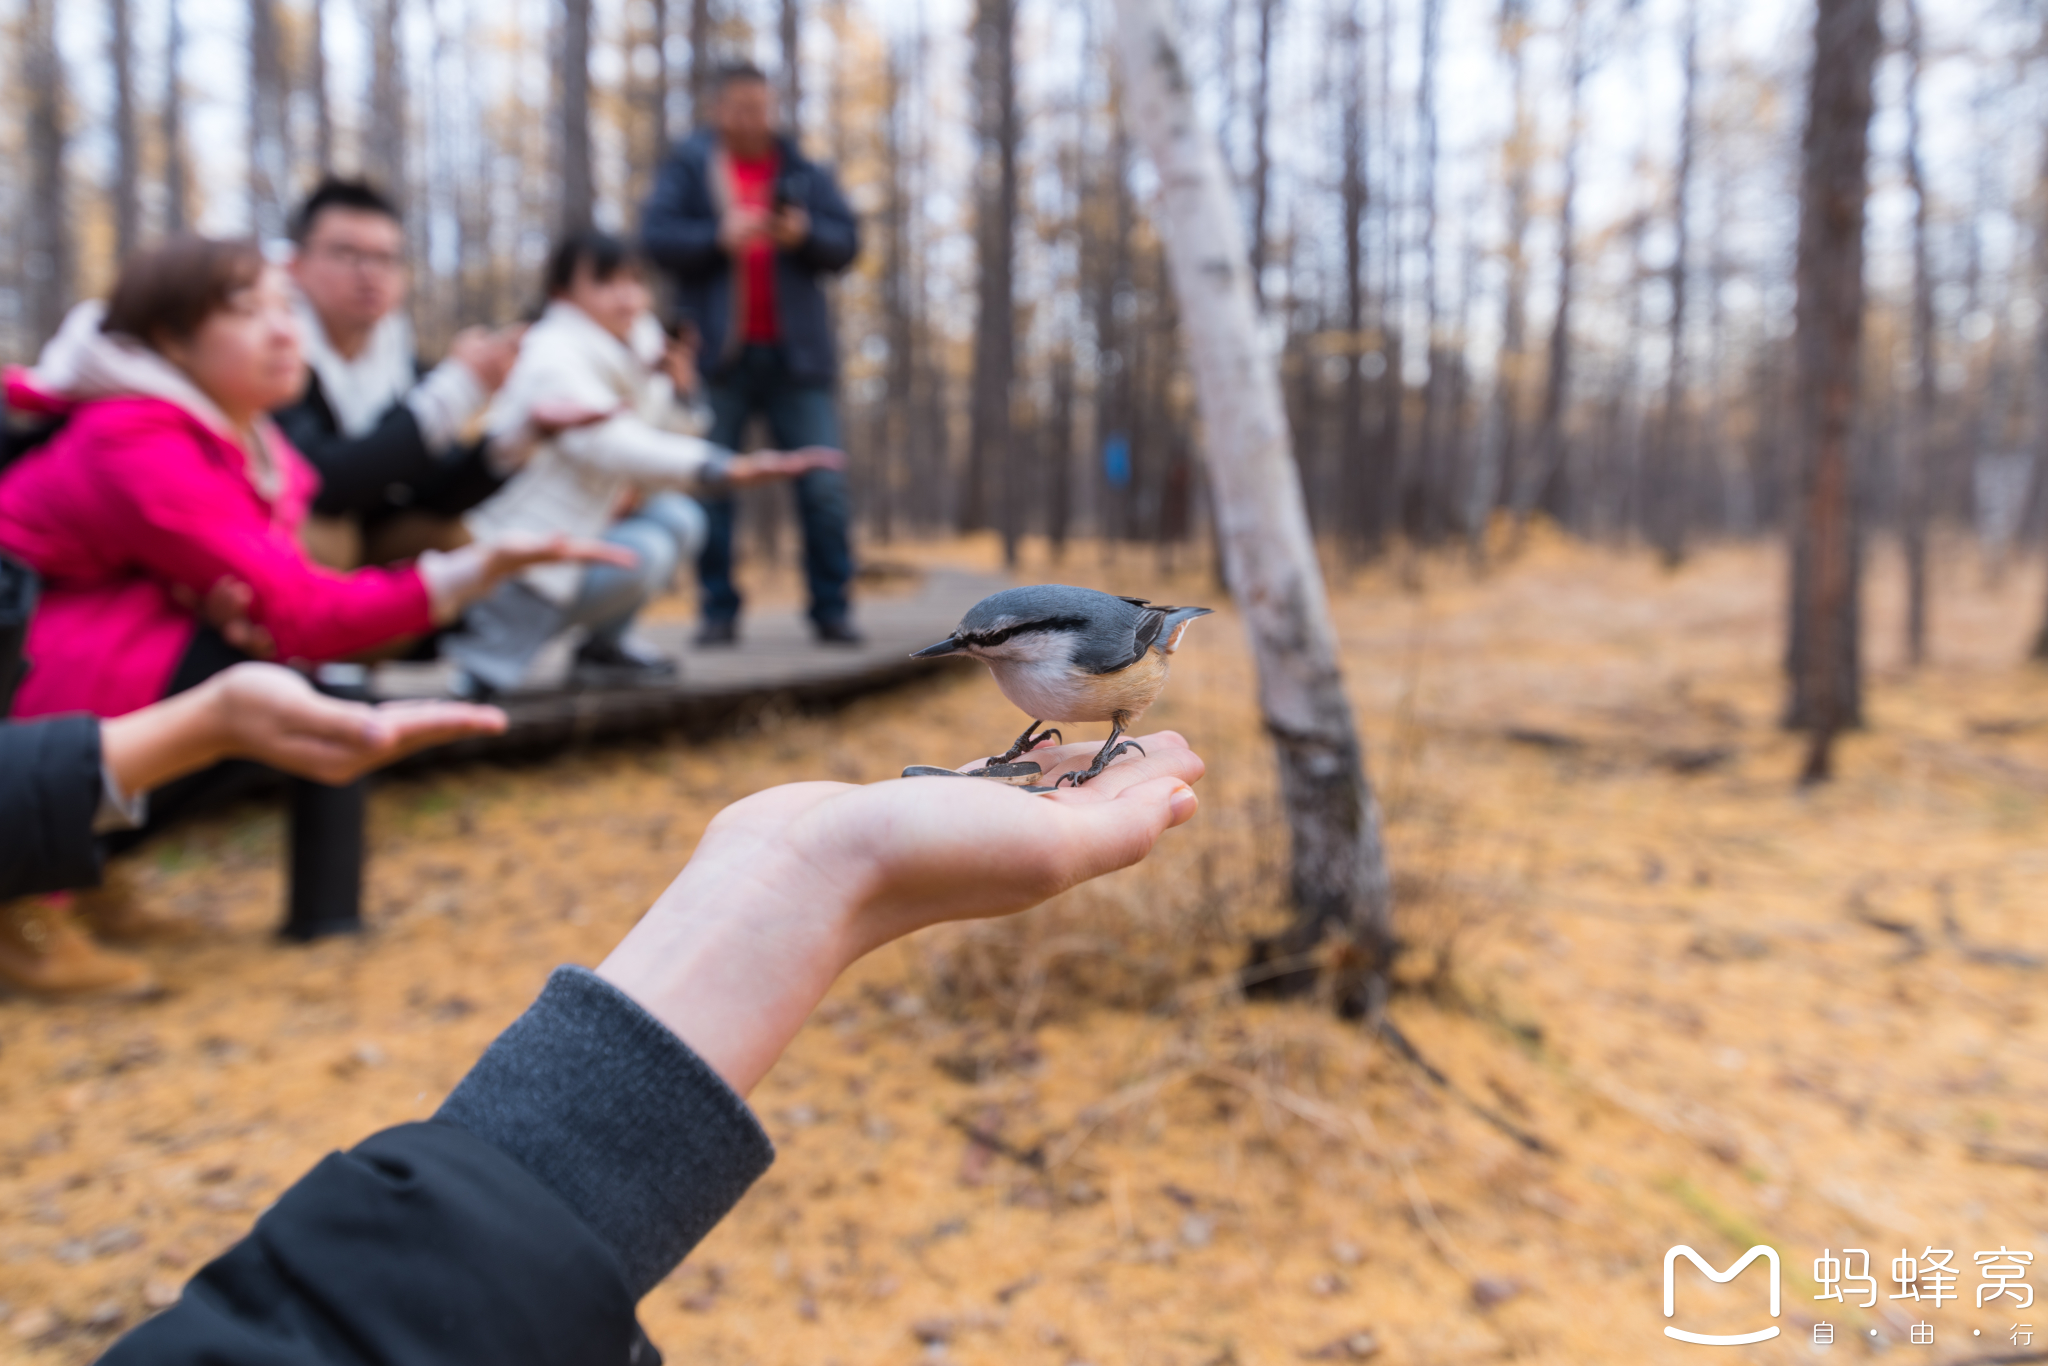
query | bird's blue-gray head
(1053,622)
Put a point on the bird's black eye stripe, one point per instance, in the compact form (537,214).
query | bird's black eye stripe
(987,639)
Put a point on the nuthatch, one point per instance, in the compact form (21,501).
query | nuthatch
(1067,654)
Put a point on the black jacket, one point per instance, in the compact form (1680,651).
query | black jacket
(679,232)
(388,468)
(49,794)
(565,1176)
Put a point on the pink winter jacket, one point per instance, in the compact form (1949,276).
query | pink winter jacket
(135,496)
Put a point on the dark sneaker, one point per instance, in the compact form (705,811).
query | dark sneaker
(838,631)
(616,664)
(718,633)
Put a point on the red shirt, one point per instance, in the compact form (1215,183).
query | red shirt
(753,185)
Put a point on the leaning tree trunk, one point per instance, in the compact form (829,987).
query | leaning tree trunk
(1828,340)
(1339,878)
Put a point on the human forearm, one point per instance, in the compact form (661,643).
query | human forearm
(789,887)
(733,960)
(274,716)
(146,749)
(631,447)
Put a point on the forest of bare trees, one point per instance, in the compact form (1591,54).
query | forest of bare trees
(1515,258)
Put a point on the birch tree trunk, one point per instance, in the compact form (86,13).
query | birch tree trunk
(1339,881)
(1828,342)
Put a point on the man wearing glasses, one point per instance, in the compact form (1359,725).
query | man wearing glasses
(389,438)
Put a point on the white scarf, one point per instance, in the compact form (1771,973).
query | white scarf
(83,362)
(362,390)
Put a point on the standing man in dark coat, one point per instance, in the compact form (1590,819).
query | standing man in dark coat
(748,228)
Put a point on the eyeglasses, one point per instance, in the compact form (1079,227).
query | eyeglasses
(352,258)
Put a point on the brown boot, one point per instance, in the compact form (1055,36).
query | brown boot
(114,911)
(44,951)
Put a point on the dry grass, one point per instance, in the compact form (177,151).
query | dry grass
(1066,1138)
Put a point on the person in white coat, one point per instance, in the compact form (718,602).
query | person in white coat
(598,348)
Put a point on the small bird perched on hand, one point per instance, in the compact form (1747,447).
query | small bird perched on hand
(1067,654)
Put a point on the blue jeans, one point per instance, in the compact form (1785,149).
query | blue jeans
(798,414)
(501,634)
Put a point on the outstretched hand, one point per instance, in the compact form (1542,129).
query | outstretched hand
(273,715)
(762,467)
(509,554)
(791,885)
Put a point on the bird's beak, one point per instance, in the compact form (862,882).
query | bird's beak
(945,647)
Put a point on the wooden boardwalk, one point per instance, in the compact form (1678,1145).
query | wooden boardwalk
(776,664)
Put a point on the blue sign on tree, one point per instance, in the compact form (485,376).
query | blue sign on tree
(1116,461)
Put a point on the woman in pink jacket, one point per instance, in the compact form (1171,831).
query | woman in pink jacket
(168,486)
(168,493)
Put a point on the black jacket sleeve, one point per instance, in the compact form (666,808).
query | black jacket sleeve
(356,473)
(679,224)
(570,1171)
(425,1244)
(49,795)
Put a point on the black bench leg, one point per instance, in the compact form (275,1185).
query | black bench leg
(324,893)
(325,883)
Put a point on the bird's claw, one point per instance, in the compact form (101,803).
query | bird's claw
(1102,761)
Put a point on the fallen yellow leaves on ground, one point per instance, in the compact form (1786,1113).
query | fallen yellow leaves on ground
(1657,994)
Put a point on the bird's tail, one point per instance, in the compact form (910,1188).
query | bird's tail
(1176,625)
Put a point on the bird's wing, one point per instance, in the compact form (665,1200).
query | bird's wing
(1117,646)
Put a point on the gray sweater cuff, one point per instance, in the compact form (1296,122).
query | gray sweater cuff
(613,1113)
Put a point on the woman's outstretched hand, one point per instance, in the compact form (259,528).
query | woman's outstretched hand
(456,578)
(762,467)
(273,715)
(789,886)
